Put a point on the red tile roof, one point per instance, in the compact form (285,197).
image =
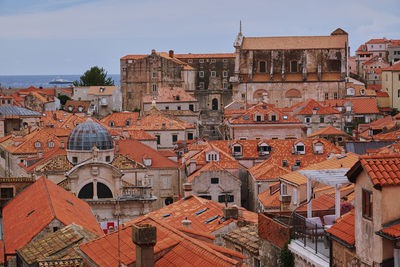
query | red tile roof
(361,105)
(384,170)
(308,107)
(210,166)
(265,109)
(273,231)
(330,130)
(344,228)
(267,171)
(392,231)
(270,201)
(169,95)
(378,41)
(188,207)
(216,55)
(157,122)
(38,205)
(322,202)
(173,248)
(136,150)
(394,135)
(395,67)
(119,119)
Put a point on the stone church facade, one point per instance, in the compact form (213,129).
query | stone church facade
(287,70)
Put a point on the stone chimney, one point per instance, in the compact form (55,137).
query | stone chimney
(145,238)
(187,189)
(231,213)
(186,223)
(171,53)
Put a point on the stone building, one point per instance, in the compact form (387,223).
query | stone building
(391,84)
(205,75)
(41,102)
(287,70)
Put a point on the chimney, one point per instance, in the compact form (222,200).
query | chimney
(186,223)
(171,53)
(187,189)
(145,238)
(153,51)
(231,212)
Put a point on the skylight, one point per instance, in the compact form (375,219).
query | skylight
(212,219)
(200,211)
(166,215)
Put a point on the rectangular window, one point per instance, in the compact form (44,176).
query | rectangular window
(225,74)
(201,74)
(174,138)
(398,93)
(283,189)
(154,88)
(335,95)
(284,163)
(129,95)
(262,66)
(237,149)
(307,119)
(166,183)
(321,119)
(225,85)
(258,118)
(158,139)
(166,107)
(273,117)
(214,180)
(213,74)
(213,60)
(326,96)
(190,61)
(190,136)
(223,199)
(300,148)
(367,204)
(205,197)
(154,74)
(201,60)
(191,107)
(201,86)
(179,107)
(293,66)
(295,196)
(7,193)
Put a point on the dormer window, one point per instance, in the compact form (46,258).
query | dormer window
(111,123)
(146,161)
(80,108)
(285,163)
(127,123)
(318,148)
(102,89)
(264,149)
(273,118)
(300,148)
(237,150)
(70,108)
(212,156)
(38,144)
(258,117)
(50,144)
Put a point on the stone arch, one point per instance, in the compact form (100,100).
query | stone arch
(87,192)
(260,95)
(293,93)
(214,104)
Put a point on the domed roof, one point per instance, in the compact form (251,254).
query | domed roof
(87,134)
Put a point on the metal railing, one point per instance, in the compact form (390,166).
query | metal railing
(310,234)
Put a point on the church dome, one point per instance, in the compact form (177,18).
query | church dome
(88,134)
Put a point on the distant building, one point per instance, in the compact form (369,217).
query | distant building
(288,70)
(391,84)
(13,118)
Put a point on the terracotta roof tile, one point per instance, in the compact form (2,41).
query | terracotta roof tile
(173,247)
(267,171)
(194,56)
(395,67)
(344,228)
(77,106)
(101,90)
(211,166)
(393,135)
(330,130)
(360,105)
(169,95)
(270,201)
(392,231)
(378,41)
(311,105)
(35,207)
(136,150)
(384,170)
(294,42)
(322,202)
(265,109)
(119,119)
(159,122)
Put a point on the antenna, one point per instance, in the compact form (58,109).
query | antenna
(240,26)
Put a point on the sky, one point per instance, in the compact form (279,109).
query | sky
(40,37)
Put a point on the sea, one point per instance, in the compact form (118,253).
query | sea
(25,81)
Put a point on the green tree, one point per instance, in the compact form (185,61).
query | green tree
(63,99)
(94,76)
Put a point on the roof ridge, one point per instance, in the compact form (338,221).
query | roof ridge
(49,198)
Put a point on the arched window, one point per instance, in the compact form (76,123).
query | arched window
(102,191)
(215,104)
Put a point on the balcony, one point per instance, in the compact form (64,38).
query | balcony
(140,193)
